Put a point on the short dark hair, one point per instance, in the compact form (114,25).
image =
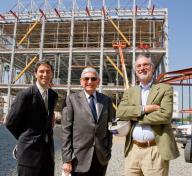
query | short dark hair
(41,62)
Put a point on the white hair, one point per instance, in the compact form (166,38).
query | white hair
(89,69)
(146,56)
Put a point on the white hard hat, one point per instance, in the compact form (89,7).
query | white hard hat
(120,128)
(15,152)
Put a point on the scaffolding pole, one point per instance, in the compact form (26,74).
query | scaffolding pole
(71,50)
(101,53)
(118,30)
(42,39)
(11,67)
(27,34)
(134,44)
(120,45)
(26,67)
(166,42)
(58,69)
(113,64)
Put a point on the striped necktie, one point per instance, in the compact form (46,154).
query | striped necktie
(45,98)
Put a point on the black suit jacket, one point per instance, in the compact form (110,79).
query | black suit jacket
(29,122)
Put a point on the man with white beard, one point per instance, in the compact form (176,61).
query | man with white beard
(150,144)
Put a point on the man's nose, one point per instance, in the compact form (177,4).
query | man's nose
(142,67)
(45,73)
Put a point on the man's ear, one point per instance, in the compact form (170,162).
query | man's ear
(98,81)
(35,74)
(153,67)
(80,82)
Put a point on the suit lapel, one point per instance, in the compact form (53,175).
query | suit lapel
(153,93)
(50,101)
(137,93)
(99,104)
(84,102)
(39,97)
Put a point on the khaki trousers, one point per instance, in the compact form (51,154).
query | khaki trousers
(145,162)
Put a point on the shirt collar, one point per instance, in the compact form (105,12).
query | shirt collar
(147,86)
(40,88)
(87,95)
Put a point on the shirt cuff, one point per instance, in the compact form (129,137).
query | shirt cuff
(143,110)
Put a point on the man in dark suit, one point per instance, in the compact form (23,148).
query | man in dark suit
(86,147)
(30,120)
(150,144)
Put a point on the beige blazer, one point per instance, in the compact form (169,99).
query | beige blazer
(130,108)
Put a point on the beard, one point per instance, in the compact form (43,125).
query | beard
(144,77)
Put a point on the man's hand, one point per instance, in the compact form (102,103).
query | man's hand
(67,167)
(53,120)
(151,108)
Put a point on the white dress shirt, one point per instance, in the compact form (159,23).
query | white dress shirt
(41,89)
(143,133)
(44,94)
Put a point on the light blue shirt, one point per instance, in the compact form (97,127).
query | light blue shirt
(143,133)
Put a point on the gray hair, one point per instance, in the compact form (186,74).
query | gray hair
(89,69)
(147,55)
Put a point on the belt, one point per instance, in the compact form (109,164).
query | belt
(145,144)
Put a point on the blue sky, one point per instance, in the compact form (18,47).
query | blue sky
(180,31)
(180,35)
(180,38)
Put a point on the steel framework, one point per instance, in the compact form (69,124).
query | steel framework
(179,78)
(76,34)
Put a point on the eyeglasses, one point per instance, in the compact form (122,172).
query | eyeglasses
(89,78)
(145,65)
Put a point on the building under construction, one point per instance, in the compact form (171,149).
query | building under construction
(105,34)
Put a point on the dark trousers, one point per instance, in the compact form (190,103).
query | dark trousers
(45,167)
(96,168)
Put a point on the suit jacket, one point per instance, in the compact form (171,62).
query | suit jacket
(29,121)
(130,108)
(81,135)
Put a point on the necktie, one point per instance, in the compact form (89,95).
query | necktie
(45,98)
(93,108)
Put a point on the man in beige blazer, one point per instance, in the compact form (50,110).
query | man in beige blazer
(150,143)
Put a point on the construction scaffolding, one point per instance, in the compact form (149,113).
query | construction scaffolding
(76,34)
